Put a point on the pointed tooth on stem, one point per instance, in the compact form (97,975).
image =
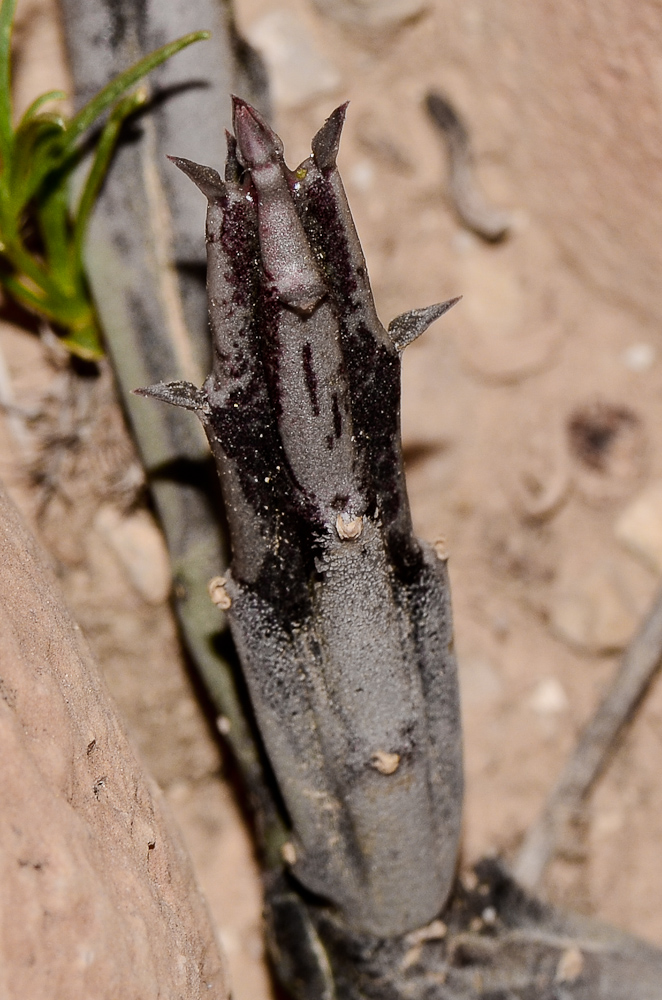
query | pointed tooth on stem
(326,143)
(257,143)
(288,260)
(410,325)
(206,179)
(183,394)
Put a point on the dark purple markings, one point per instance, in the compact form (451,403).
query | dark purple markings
(337,418)
(311,379)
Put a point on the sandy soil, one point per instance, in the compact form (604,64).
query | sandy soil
(530,424)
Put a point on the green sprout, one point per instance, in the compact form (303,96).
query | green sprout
(41,233)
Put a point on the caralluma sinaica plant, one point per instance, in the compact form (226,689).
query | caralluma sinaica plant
(340,615)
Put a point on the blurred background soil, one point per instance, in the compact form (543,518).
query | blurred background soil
(532,416)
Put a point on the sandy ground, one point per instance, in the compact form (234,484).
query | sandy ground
(530,425)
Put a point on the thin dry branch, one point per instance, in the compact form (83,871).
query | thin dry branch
(596,743)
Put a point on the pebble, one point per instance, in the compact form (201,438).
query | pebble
(570,966)
(594,612)
(639,357)
(608,450)
(362,175)
(549,697)
(298,72)
(508,330)
(372,13)
(140,549)
(639,526)
(480,683)
(536,474)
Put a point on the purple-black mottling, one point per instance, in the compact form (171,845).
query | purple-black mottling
(311,378)
(337,418)
(340,638)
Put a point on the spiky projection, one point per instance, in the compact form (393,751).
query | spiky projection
(340,615)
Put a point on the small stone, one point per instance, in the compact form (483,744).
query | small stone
(536,470)
(385,763)
(548,697)
(298,72)
(500,626)
(288,853)
(362,176)
(230,940)
(372,13)
(434,931)
(507,333)
(639,357)
(412,957)
(480,683)
(223,725)
(608,450)
(571,964)
(140,548)
(470,881)
(639,527)
(595,612)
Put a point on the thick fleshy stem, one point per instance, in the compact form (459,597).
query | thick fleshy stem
(340,615)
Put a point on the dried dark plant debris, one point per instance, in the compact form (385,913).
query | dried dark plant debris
(639,666)
(342,618)
(472,207)
(608,448)
(83,453)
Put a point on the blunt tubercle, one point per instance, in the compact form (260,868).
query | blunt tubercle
(407,327)
(290,268)
(326,143)
(205,178)
(183,394)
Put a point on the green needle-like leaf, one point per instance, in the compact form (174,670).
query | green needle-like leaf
(38,103)
(28,298)
(85,342)
(6,135)
(103,153)
(36,161)
(33,156)
(112,91)
(54,226)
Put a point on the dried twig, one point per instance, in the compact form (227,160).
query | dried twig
(491,223)
(639,666)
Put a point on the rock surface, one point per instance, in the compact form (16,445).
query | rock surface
(298,72)
(639,527)
(596,611)
(98,899)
